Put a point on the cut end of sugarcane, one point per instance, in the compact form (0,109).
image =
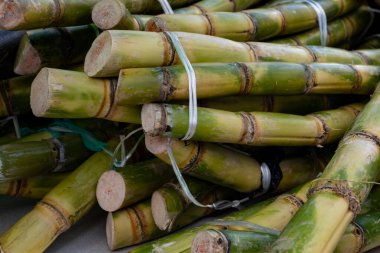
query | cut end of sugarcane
(11,15)
(97,57)
(110,232)
(107,14)
(28,60)
(110,191)
(159,211)
(209,241)
(156,144)
(40,94)
(153,119)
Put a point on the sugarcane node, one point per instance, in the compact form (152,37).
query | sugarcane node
(321,139)
(293,199)
(110,86)
(340,188)
(194,161)
(140,222)
(310,79)
(366,135)
(358,78)
(153,118)
(247,77)
(252,51)
(360,235)
(156,24)
(310,50)
(63,223)
(209,241)
(248,133)
(365,58)
(210,26)
(170,52)
(110,191)
(167,89)
(253,31)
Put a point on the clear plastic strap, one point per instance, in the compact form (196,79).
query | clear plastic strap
(125,157)
(252,226)
(16,125)
(61,151)
(193,104)
(223,204)
(321,14)
(166,7)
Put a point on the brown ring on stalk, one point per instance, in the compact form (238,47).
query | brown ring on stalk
(210,241)
(110,191)
(341,189)
(107,14)
(359,231)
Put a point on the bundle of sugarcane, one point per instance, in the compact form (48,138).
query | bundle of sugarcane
(114,50)
(256,24)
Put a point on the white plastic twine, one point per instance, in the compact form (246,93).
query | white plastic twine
(321,14)
(61,151)
(193,121)
(16,125)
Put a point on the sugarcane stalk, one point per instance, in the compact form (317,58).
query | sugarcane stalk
(34,187)
(9,41)
(252,25)
(371,42)
(254,128)
(53,47)
(169,202)
(372,55)
(286,104)
(359,144)
(113,14)
(338,31)
(59,93)
(25,14)
(28,159)
(131,225)
(63,206)
(145,85)
(210,6)
(128,185)
(114,50)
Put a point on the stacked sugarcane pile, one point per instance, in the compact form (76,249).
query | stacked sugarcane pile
(286,129)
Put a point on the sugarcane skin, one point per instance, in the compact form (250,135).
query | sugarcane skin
(251,25)
(144,85)
(359,143)
(103,59)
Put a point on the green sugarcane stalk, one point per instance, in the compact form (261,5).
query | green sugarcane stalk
(326,210)
(300,105)
(33,158)
(145,85)
(252,25)
(371,42)
(169,202)
(59,93)
(210,6)
(229,168)
(254,128)
(63,206)
(14,95)
(34,187)
(338,31)
(370,55)
(25,14)
(114,50)
(53,47)
(132,183)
